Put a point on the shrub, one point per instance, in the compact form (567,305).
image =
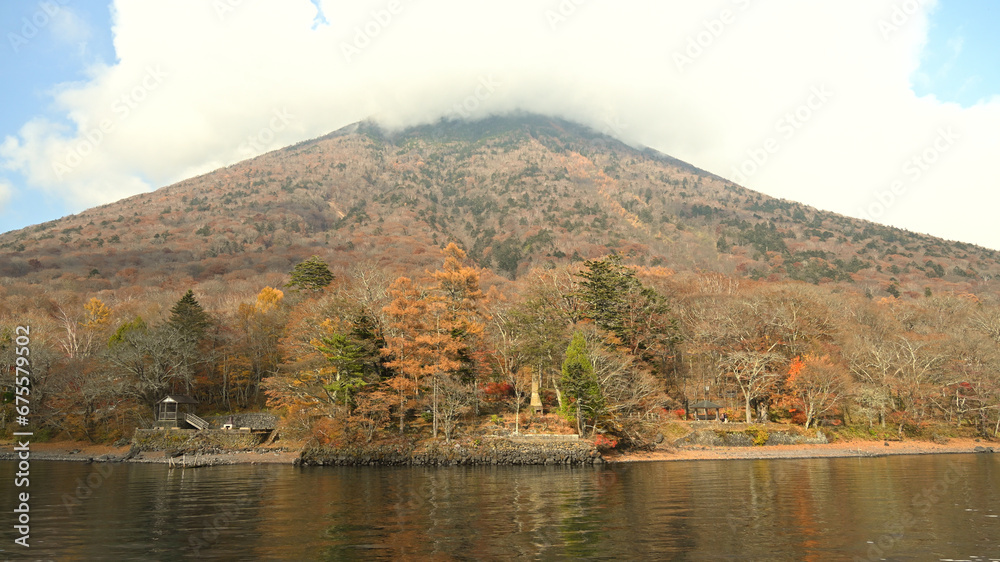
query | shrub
(497,391)
(329,431)
(605,443)
(758,434)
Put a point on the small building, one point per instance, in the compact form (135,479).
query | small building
(176,411)
(702,410)
(254,422)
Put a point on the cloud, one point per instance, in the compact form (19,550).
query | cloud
(68,28)
(6,192)
(199,85)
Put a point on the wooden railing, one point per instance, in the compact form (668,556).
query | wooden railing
(196,421)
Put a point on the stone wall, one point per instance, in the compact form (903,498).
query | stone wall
(193,441)
(746,438)
(488,451)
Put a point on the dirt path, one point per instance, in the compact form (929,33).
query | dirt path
(838,449)
(78,451)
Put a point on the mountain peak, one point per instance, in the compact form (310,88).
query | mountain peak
(516,191)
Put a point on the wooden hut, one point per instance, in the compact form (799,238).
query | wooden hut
(176,411)
(702,410)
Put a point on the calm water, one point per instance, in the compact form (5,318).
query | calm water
(899,508)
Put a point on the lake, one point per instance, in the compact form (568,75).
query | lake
(900,508)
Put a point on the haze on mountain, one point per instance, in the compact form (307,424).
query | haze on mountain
(713,84)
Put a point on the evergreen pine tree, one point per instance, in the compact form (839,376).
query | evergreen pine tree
(579,381)
(189,318)
(311,275)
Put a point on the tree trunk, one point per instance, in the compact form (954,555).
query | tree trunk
(747,398)
(517,415)
(402,411)
(579,431)
(435,406)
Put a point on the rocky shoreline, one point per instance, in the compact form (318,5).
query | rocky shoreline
(500,451)
(496,451)
(194,452)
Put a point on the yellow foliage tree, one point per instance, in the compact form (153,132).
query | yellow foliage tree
(268,299)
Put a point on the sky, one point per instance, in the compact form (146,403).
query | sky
(886,110)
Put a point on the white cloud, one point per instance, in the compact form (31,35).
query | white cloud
(6,191)
(196,87)
(69,28)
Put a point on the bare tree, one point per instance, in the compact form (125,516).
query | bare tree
(756,373)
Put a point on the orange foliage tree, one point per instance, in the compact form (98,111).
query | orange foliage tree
(433,333)
(816,384)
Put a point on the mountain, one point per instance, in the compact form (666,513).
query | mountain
(516,192)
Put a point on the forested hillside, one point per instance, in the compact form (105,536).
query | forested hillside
(368,284)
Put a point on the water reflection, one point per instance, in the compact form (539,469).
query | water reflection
(941,506)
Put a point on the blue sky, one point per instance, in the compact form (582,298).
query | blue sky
(960,63)
(38,55)
(890,111)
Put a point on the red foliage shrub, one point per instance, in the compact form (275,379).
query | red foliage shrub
(605,443)
(497,391)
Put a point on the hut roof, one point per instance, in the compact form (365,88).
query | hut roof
(705,404)
(178,398)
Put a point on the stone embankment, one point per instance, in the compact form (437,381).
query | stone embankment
(486,451)
(192,442)
(747,438)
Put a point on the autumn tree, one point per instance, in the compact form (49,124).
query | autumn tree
(506,334)
(543,314)
(816,384)
(149,358)
(253,352)
(756,373)
(630,393)
(80,329)
(434,331)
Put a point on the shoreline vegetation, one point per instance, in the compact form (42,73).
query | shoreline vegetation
(437,371)
(293,454)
